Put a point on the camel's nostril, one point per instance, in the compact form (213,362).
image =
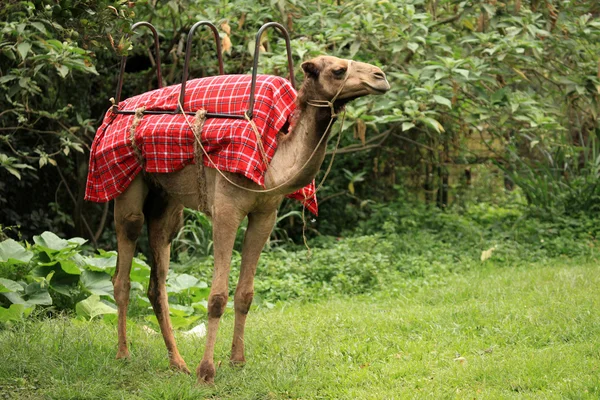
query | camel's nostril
(379,75)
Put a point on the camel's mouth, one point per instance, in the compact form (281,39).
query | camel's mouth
(380,88)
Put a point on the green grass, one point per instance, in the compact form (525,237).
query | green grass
(531,331)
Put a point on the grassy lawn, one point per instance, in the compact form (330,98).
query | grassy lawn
(530,331)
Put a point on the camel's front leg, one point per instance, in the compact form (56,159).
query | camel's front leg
(259,229)
(226,221)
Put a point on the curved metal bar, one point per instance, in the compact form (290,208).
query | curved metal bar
(188,52)
(288,47)
(124,61)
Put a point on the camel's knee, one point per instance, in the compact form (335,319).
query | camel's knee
(131,225)
(122,288)
(243,301)
(216,304)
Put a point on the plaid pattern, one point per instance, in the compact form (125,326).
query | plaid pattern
(166,141)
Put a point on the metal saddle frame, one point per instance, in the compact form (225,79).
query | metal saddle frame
(213,28)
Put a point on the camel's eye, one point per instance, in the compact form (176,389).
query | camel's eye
(338,73)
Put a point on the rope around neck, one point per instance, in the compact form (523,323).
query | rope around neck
(201,114)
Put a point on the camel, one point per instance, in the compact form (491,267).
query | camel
(159,200)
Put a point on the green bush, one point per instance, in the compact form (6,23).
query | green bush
(58,273)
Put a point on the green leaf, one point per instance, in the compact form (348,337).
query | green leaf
(37,294)
(463,72)
(489,9)
(39,26)
(70,267)
(93,306)
(34,293)
(180,322)
(77,240)
(8,286)
(23,48)
(354,48)
(433,123)
(179,283)
(15,312)
(407,125)
(13,172)
(97,283)
(179,310)
(101,263)
(63,70)
(12,252)
(412,46)
(50,241)
(7,78)
(442,100)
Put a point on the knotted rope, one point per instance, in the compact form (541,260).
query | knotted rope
(139,114)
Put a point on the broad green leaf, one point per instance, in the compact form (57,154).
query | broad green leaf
(93,306)
(14,253)
(180,322)
(179,283)
(23,48)
(442,100)
(34,293)
(77,240)
(15,312)
(8,286)
(199,292)
(50,241)
(15,298)
(201,306)
(179,310)
(100,263)
(97,283)
(70,267)
(41,298)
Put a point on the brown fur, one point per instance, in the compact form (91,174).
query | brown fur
(162,197)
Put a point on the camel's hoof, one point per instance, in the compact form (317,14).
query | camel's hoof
(123,355)
(179,365)
(206,373)
(236,362)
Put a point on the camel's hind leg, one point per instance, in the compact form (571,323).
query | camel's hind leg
(165,218)
(129,220)
(259,229)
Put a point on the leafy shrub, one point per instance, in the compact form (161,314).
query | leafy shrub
(55,272)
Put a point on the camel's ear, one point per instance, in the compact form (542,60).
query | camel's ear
(311,69)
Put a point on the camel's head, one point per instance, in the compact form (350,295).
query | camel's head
(327,75)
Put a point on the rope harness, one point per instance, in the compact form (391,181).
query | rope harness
(198,124)
(201,116)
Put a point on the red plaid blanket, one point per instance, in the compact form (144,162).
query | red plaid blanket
(166,142)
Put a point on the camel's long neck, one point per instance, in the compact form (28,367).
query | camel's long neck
(292,164)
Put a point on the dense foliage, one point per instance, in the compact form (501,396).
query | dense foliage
(411,245)
(514,83)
